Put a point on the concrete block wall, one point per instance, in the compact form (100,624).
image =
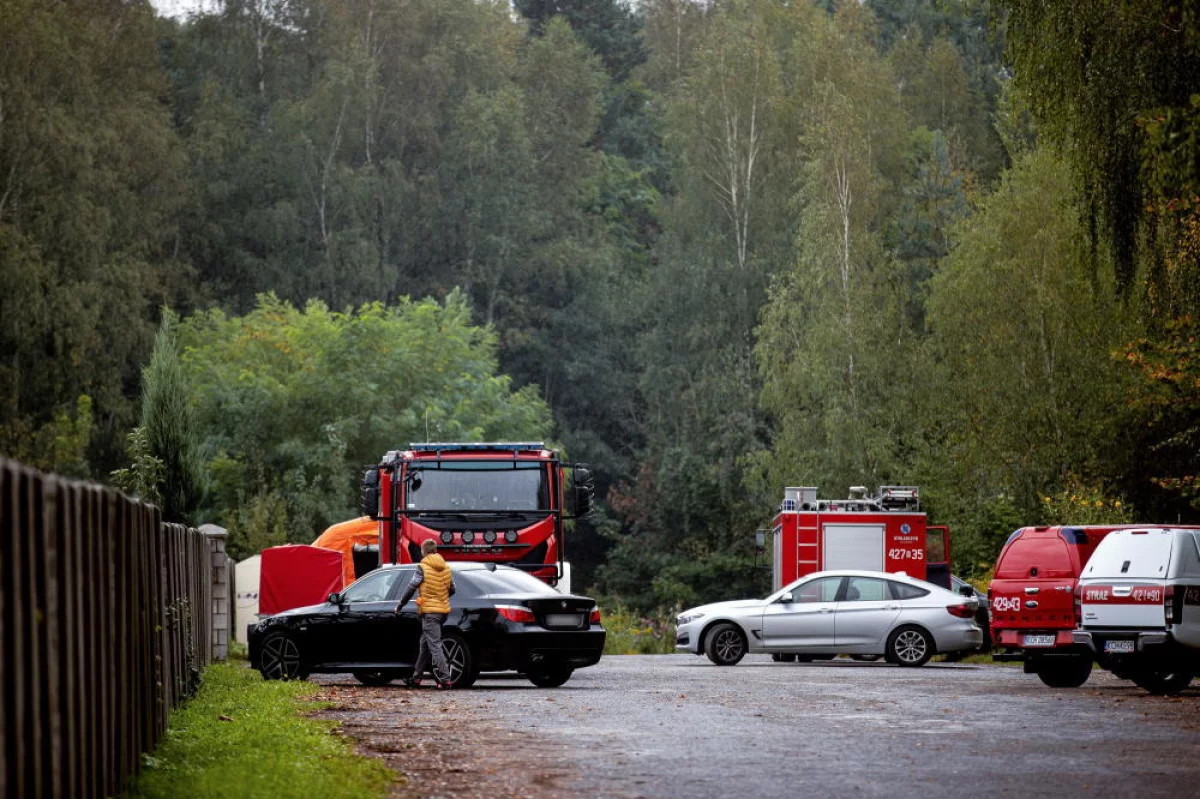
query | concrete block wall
(222,591)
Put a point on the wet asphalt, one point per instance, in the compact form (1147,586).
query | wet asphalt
(677,726)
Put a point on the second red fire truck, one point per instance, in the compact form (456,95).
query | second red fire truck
(886,532)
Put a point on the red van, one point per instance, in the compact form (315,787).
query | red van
(1032,601)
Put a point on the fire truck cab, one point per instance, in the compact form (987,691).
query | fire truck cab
(482,502)
(886,532)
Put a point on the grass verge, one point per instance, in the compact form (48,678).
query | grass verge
(242,736)
(630,633)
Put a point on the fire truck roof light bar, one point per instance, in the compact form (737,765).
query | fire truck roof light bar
(506,446)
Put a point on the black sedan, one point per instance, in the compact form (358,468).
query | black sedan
(501,619)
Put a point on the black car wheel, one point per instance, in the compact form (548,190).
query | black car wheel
(1066,672)
(458,657)
(1163,681)
(374,678)
(281,659)
(550,675)
(909,646)
(725,644)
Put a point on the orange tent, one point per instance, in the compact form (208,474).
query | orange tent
(343,536)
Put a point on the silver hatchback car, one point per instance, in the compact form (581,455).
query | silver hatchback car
(864,614)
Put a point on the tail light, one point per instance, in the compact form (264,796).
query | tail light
(963,611)
(1173,612)
(1078,604)
(516,613)
(595,617)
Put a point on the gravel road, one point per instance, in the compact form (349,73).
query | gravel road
(676,726)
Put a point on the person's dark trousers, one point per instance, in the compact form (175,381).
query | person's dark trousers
(431,642)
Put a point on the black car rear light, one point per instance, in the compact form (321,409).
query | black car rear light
(595,617)
(517,613)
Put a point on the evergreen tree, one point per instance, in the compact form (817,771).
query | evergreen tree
(169,427)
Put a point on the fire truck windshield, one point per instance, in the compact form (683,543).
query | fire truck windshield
(480,486)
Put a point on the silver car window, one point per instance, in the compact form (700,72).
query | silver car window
(906,591)
(866,589)
(823,589)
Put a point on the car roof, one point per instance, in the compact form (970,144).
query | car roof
(866,573)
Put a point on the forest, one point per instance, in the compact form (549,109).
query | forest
(709,247)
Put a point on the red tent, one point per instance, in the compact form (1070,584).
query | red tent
(296,575)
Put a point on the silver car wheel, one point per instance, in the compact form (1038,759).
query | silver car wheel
(910,647)
(729,645)
(280,658)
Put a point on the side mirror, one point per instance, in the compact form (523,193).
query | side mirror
(584,490)
(967,591)
(787,598)
(369,493)
(335,598)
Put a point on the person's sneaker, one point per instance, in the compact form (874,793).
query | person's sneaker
(444,685)
(412,682)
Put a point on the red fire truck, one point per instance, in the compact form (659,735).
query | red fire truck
(886,532)
(491,502)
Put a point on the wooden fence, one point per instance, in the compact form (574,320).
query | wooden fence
(105,624)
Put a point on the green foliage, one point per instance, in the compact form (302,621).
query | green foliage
(293,402)
(89,188)
(1024,382)
(169,429)
(143,477)
(242,735)
(1114,80)
(631,633)
(1078,503)
(60,445)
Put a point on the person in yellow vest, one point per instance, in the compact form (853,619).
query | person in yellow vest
(434,585)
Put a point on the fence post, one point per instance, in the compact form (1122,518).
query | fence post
(221,611)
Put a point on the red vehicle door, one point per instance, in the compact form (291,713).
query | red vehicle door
(937,556)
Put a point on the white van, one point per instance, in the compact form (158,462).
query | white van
(1139,602)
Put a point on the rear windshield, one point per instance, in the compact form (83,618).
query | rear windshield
(1048,554)
(480,582)
(1132,554)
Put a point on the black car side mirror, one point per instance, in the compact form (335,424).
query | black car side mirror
(967,591)
(335,598)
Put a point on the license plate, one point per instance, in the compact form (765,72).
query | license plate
(1039,640)
(563,620)
(1118,647)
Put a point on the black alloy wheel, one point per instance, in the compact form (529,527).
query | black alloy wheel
(281,659)
(1066,672)
(725,645)
(550,675)
(460,661)
(374,678)
(1163,682)
(909,646)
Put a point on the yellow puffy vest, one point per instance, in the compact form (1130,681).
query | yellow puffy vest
(434,591)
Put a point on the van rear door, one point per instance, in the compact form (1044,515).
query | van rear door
(1123,584)
(1034,583)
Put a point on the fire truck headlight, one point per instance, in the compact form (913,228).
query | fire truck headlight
(688,618)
